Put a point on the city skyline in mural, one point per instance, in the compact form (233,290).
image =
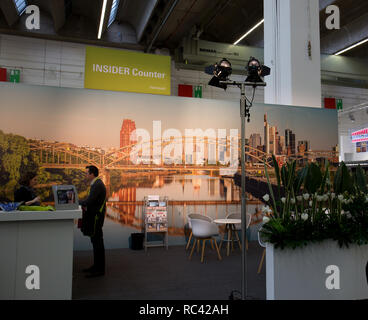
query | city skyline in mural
(94,118)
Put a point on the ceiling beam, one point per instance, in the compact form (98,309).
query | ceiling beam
(10,12)
(78,27)
(54,8)
(170,7)
(66,38)
(137,13)
(57,11)
(212,14)
(348,35)
(145,16)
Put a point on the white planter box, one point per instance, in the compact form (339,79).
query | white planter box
(300,274)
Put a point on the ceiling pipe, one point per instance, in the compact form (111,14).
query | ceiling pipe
(161,25)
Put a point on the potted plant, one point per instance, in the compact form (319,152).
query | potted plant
(316,233)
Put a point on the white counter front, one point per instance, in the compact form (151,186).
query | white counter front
(41,241)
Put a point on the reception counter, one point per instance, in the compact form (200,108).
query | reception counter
(36,254)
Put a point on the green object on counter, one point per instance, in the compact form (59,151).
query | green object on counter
(36,208)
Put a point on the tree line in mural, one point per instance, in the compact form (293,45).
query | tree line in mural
(16,159)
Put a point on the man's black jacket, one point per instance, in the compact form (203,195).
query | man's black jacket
(95,208)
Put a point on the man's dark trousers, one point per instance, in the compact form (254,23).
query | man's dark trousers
(98,250)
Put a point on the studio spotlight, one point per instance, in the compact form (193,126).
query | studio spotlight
(256,71)
(221,72)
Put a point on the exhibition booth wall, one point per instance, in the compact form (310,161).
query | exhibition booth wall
(62,64)
(184,148)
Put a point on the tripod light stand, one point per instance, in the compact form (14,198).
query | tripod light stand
(221,73)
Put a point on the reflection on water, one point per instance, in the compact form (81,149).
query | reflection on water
(212,196)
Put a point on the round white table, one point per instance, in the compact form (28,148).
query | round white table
(230,227)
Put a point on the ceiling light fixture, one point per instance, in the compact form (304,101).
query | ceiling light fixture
(351,47)
(102,19)
(20,5)
(249,32)
(113,12)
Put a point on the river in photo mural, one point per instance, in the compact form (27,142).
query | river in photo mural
(212,196)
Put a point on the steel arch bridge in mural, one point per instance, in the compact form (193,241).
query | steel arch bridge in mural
(69,156)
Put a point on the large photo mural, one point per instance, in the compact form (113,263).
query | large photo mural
(184,148)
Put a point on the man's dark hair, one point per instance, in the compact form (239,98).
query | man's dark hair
(93,170)
(27,177)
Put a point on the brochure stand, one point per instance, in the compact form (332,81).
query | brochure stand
(155,220)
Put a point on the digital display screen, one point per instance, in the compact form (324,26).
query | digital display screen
(66,196)
(359,136)
(153,203)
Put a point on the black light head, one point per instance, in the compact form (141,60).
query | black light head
(256,71)
(221,72)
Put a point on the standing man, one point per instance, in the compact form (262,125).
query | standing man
(94,208)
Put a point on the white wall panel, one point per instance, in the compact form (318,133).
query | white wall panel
(44,62)
(55,63)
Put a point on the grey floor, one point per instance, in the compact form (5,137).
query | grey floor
(169,275)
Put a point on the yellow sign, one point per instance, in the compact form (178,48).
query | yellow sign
(118,70)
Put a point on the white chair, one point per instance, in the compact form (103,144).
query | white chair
(237,227)
(195,216)
(202,231)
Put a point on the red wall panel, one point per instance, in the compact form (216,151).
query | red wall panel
(185,90)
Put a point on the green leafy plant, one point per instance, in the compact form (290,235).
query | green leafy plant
(314,208)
